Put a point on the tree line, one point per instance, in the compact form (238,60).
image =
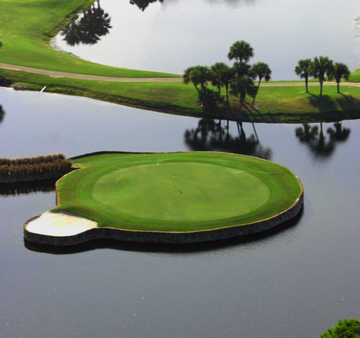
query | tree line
(244,80)
(241,79)
(322,68)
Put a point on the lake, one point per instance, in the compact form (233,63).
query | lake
(297,282)
(172,35)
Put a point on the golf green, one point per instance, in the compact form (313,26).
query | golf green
(176,192)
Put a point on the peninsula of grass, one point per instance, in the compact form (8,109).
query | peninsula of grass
(177,193)
(27,27)
(28,45)
(280,104)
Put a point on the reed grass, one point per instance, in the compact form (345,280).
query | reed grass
(42,166)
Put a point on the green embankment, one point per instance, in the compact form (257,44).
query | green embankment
(28,44)
(26,27)
(176,192)
(275,104)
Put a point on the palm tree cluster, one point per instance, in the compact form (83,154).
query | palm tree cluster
(321,145)
(322,68)
(213,136)
(238,79)
(93,24)
(41,167)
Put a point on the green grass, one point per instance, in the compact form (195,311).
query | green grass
(355,76)
(275,104)
(26,27)
(176,192)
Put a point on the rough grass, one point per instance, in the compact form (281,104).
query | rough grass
(26,27)
(126,190)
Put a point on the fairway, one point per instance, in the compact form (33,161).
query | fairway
(176,192)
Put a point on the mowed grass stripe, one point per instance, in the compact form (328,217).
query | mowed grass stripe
(266,190)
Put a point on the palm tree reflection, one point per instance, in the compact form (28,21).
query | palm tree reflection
(92,24)
(2,114)
(320,144)
(214,136)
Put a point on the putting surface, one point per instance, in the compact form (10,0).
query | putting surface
(176,192)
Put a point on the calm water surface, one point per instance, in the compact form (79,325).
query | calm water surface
(295,283)
(175,34)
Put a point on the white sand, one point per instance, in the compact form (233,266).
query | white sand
(59,224)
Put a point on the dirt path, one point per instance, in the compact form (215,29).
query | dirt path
(87,77)
(56,74)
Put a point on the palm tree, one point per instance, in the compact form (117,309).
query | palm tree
(303,69)
(340,71)
(260,71)
(198,75)
(321,68)
(241,51)
(242,86)
(221,76)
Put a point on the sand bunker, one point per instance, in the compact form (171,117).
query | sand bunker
(59,224)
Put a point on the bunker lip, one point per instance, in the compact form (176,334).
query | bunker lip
(35,229)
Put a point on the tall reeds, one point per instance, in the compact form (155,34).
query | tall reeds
(35,168)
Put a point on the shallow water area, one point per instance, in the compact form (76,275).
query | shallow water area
(301,280)
(172,35)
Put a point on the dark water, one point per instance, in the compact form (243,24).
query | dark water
(295,283)
(175,34)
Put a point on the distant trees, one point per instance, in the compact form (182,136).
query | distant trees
(322,68)
(238,79)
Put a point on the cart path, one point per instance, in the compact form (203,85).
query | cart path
(56,74)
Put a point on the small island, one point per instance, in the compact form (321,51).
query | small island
(184,197)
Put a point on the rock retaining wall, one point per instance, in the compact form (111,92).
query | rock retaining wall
(168,237)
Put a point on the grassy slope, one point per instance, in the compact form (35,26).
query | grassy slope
(26,27)
(76,191)
(276,104)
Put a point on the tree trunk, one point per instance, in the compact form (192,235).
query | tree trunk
(321,87)
(338,86)
(307,85)
(257,90)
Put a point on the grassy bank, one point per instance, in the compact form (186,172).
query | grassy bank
(151,192)
(26,27)
(274,104)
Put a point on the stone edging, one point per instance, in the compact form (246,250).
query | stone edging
(167,237)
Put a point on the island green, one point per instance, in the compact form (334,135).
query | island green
(176,192)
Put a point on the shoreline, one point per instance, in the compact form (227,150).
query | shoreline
(167,94)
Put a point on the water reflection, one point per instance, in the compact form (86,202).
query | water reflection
(14,189)
(2,113)
(92,24)
(213,135)
(322,145)
(143,4)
